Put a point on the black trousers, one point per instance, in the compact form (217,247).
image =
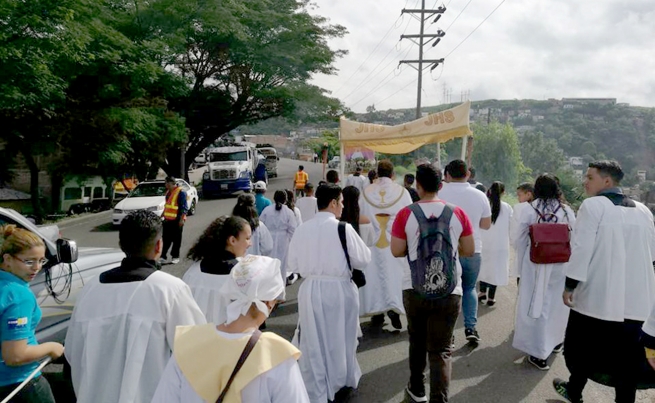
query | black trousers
(430,324)
(36,391)
(172,236)
(593,346)
(489,289)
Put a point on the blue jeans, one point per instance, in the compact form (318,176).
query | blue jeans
(470,271)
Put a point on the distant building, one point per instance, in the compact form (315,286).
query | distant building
(576,162)
(596,101)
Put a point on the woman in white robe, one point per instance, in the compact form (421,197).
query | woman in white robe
(494,268)
(205,356)
(261,242)
(215,253)
(282,223)
(541,316)
(291,203)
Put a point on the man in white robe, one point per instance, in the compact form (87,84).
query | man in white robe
(610,286)
(122,328)
(383,292)
(307,204)
(357,180)
(328,302)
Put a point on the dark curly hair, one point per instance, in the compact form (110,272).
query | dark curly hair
(139,232)
(350,212)
(215,237)
(245,208)
(291,199)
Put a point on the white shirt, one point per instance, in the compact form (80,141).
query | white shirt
(406,227)
(357,181)
(613,249)
(121,334)
(205,288)
(308,207)
(261,242)
(474,203)
(281,384)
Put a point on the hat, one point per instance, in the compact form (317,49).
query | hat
(253,280)
(260,185)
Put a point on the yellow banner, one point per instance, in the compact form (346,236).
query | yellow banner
(437,127)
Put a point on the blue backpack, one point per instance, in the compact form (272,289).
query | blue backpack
(434,272)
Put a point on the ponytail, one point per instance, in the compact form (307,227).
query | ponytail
(280,198)
(494,193)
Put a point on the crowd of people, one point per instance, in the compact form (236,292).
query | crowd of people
(436,245)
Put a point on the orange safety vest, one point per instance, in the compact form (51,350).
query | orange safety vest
(171,208)
(301,179)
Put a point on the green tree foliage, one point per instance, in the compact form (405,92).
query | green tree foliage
(496,155)
(539,154)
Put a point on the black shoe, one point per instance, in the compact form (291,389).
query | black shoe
(491,302)
(482,297)
(540,364)
(415,397)
(562,389)
(472,335)
(395,320)
(558,348)
(377,320)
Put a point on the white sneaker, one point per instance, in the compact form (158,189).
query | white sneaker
(163,261)
(175,260)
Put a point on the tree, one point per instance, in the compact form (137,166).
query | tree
(496,155)
(245,61)
(540,154)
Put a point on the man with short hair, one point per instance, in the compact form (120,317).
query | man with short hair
(383,292)
(300,179)
(472,179)
(610,286)
(261,201)
(476,206)
(307,205)
(328,304)
(357,180)
(430,322)
(122,329)
(332,176)
(409,181)
(175,211)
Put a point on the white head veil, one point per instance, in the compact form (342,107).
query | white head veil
(253,280)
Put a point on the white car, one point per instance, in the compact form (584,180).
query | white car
(151,196)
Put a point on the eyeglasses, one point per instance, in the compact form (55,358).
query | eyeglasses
(32,263)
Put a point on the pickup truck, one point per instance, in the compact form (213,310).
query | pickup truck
(56,286)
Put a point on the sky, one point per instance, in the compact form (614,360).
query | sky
(526,49)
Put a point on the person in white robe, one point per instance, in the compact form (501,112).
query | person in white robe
(541,316)
(494,266)
(281,222)
(383,292)
(122,328)
(215,253)
(525,195)
(291,203)
(261,241)
(204,357)
(328,302)
(307,204)
(610,285)
(357,180)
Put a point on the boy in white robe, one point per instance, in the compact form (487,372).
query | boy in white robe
(307,204)
(122,328)
(205,356)
(328,302)
(610,285)
(383,292)
(525,195)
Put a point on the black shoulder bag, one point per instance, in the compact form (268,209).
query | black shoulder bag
(357,276)
(242,359)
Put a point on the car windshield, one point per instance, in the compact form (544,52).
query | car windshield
(149,190)
(235,156)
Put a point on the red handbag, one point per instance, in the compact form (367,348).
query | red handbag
(550,241)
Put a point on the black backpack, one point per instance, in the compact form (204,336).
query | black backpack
(434,272)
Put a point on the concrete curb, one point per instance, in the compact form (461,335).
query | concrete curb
(66,222)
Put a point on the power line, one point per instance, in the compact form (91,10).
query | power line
(475,29)
(460,13)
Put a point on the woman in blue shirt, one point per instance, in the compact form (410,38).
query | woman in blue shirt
(23,256)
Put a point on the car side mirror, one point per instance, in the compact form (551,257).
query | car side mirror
(67,250)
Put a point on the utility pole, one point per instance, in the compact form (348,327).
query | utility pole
(423,15)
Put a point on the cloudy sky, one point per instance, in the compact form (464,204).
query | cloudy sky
(528,49)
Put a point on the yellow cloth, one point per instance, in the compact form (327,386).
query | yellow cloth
(400,139)
(207,360)
(171,207)
(650,353)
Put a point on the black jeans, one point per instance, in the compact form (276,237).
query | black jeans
(488,289)
(172,236)
(36,391)
(594,346)
(430,324)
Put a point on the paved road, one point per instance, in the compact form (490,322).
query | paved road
(492,372)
